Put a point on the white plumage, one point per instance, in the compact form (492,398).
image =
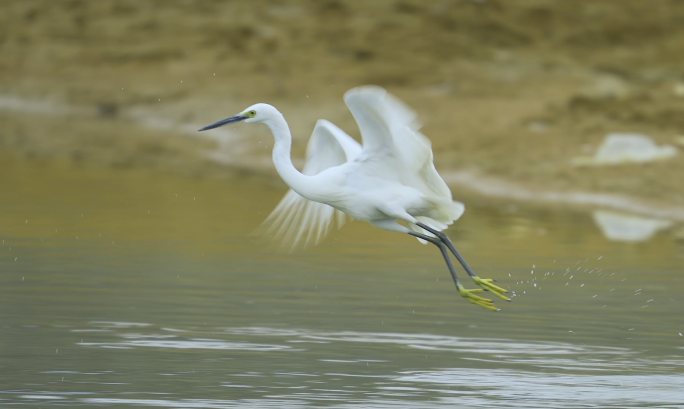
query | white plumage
(395,164)
(390,178)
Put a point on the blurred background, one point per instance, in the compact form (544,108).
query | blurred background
(126,257)
(510,92)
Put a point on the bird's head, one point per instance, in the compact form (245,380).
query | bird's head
(255,113)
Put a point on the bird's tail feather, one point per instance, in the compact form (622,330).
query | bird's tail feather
(445,213)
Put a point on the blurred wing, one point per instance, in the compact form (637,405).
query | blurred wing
(297,221)
(390,132)
(379,114)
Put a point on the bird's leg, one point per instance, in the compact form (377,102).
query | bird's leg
(486,283)
(467,294)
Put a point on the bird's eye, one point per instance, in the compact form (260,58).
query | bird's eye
(252,113)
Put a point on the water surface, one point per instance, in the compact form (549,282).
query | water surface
(135,288)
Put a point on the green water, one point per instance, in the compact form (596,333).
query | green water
(134,288)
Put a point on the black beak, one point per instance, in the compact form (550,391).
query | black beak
(232,119)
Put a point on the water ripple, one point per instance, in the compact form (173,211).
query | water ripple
(551,390)
(191,344)
(522,375)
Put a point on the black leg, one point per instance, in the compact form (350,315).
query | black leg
(486,283)
(467,294)
(443,249)
(445,239)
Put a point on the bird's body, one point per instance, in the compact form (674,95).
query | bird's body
(368,192)
(390,178)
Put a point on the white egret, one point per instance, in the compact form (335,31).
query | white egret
(390,178)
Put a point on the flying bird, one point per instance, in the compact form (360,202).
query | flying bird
(390,179)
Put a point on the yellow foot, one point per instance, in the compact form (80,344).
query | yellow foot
(476,299)
(487,284)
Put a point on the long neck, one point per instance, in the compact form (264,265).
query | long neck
(281,156)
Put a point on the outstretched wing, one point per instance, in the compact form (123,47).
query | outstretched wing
(379,114)
(389,129)
(297,221)
(391,138)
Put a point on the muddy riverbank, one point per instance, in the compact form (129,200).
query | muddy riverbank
(508,91)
